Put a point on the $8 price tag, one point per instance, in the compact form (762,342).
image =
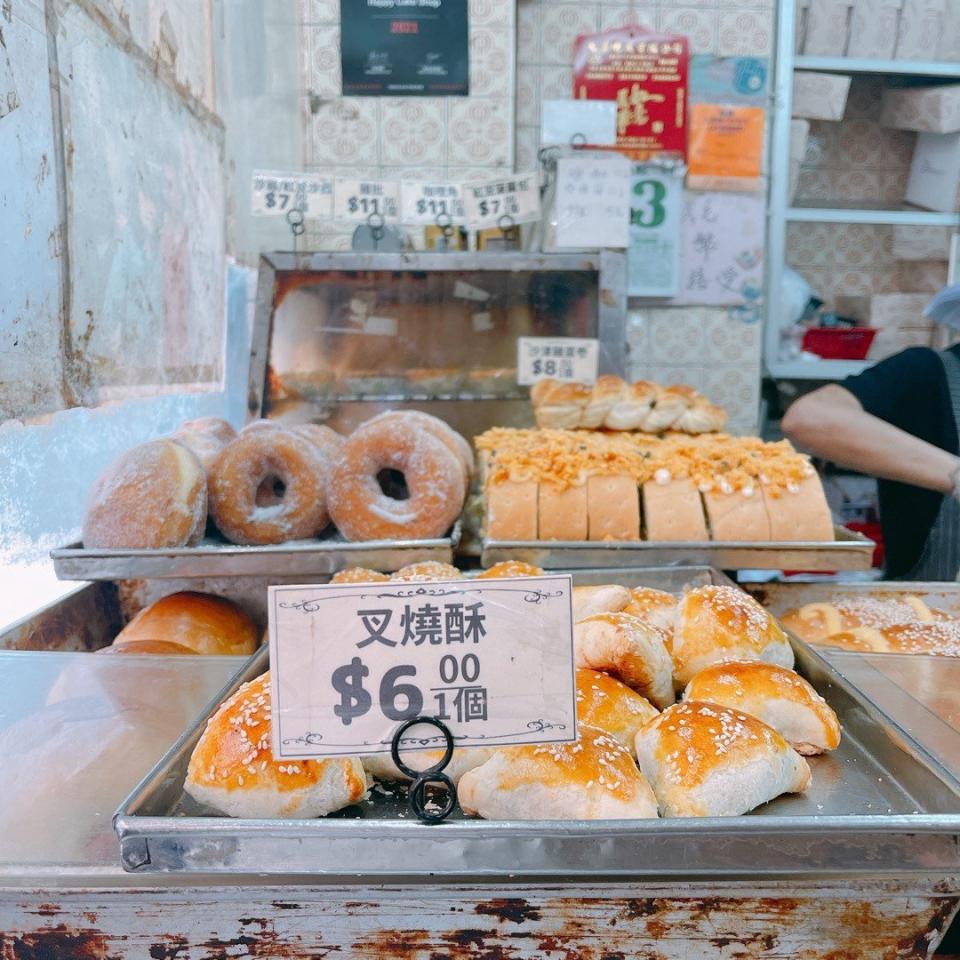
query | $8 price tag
(350,662)
(568,359)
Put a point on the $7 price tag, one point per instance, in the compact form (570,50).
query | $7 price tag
(351,662)
(499,203)
(273,194)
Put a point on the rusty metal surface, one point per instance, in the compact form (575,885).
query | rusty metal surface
(873,920)
(87,619)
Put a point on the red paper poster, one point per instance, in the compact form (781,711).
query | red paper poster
(646,74)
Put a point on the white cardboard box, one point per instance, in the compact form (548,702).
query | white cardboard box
(935,172)
(931,109)
(921,243)
(799,131)
(921,24)
(819,96)
(828,26)
(873,28)
(949,49)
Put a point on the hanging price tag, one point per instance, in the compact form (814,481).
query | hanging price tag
(500,203)
(350,662)
(427,204)
(570,359)
(656,206)
(274,194)
(357,200)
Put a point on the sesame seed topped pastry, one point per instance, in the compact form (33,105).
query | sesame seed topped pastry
(609,705)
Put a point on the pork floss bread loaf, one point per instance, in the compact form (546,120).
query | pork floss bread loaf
(152,496)
(705,760)
(233,771)
(201,622)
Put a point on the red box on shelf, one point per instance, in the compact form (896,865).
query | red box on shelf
(839,343)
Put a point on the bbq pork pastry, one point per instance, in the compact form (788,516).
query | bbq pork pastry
(815,622)
(629,649)
(655,606)
(591,779)
(232,768)
(716,623)
(777,696)
(704,760)
(609,705)
(607,598)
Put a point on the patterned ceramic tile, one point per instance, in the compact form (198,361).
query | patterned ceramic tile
(478,132)
(676,334)
(861,143)
(497,13)
(699,24)
(528,95)
(528,142)
(413,173)
(323,46)
(528,31)
(638,342)
(621,16)
(490,62)
(345,131)
(556,83)
(562,24)
(321,11)
(412,130)
(736,388)
(670,374)
(729,340)
(744,34)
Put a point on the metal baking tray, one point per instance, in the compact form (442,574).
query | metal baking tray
(878,804)
(848,551)
(216,558)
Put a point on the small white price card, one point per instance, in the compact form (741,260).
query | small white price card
(358,200)
(274,194)
(570,359)
(350,662)
(656,209)
(500,203)
(593,202)
(579,121)
(428,204)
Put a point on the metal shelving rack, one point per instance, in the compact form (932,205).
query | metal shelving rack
(780,211)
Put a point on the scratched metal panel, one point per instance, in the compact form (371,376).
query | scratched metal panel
(146,226)
(30,361)
(872,919)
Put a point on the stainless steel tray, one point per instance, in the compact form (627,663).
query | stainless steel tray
(877,805)
(848,551)
(216,558)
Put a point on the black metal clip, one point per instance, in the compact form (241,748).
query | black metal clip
(295,220)
(444,224)
(416,796)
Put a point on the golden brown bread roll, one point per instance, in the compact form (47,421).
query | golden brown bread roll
(607,392)
(777,696)
(232,768)
(655,606)
(631,410)
(358,575)
(606,598)
(815,622)
(716,623)
(607,704)
(154,647)
(200,621)
(152,496)
(510,568)
(705,760)
(427,570)
(559,405)
(381,765)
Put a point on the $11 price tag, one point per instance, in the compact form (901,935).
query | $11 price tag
(568,359)
(351,662)
(426,204)
(358,200)
(274,194)
(500,203)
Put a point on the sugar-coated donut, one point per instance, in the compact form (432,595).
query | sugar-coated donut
(359,575)
(205,437)
(152,496)
(267,486)
(327,441)
(433,425)
(426,571)
(255,426)
(434,479)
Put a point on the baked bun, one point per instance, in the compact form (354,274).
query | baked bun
(150,497)
(941,639)
(669,406)
(359,575)
(232,769)
(777,696)
(591,779)
(704,760)
(655,606)
(633,407)
(381,765)
(701,416)
(859,639)
(154,647)
(204,623)
(815,622)
(716,623)
(629,649)
(611,706)
(205,437)
(609,598)
(426,571)
(607,392)
(510,568)
(559,405)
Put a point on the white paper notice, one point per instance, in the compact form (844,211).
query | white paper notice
(358,200)
(593,202)
(427,204)
(589,122)
(350,662)
(656,208)
(274,193)
(502,203)
(570,359)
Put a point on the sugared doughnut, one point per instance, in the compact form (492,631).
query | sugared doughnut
(205,437)
(428,570)
(267,486)
(255,426)
(359,575)
(435,426)
(432,478)
(152,496)
(327,441)
(510,568)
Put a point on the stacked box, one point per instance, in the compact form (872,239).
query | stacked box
(899,319)
(930,109)
(819,96)
(873,28)
(921,243)
(935,172)
(828,27)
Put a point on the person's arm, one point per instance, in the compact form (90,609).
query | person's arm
(831,423)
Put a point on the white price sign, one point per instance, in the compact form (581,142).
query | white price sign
(570,359)
(593,202)
(274,194)
(502,203)
(358,200)
(430,204)
(351,662)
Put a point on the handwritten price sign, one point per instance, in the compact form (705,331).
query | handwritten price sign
(350,662)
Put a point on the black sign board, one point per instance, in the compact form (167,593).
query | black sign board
(404,48)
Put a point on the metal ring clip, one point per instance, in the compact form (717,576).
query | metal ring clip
(431,776)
